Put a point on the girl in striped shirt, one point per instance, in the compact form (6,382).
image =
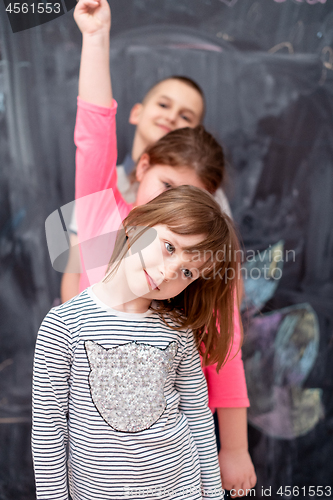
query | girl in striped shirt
(119,396)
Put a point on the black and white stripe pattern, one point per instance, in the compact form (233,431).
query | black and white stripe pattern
(174,458)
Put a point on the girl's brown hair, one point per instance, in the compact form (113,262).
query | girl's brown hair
(194,148)
(208,304)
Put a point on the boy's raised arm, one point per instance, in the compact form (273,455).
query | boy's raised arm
(93,18)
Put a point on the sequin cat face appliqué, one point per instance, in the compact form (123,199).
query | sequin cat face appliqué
(127,383)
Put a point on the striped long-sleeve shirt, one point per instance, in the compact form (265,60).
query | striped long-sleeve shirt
(120,408)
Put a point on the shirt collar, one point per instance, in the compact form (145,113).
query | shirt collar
(128,164)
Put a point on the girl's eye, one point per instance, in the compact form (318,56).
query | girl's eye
(186,118)
(167,185)
(187,273)
(162,105)
(170,248)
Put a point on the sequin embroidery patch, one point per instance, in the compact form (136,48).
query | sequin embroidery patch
(127,383)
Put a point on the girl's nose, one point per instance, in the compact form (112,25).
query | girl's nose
(172,115)
(170,270)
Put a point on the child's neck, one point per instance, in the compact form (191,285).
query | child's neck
(116,294)
(139,145)
(135,306)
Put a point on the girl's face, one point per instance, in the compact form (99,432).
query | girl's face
(164,268)
(159,178)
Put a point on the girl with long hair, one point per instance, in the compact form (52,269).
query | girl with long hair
(119,396)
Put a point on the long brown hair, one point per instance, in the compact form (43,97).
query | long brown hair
(208,304)
(194,148)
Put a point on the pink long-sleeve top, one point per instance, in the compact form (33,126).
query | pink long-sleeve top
(100,208)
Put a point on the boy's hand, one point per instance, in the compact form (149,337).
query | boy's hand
(237,472)
(93,16)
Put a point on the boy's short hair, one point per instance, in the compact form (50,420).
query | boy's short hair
(184,79)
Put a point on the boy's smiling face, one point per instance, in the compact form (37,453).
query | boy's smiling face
(170,105)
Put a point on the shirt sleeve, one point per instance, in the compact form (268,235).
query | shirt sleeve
(191,385)
(100,207)
(227,389)
(96,148)
(50,408)
(222,200)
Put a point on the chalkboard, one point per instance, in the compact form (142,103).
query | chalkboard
(266,69)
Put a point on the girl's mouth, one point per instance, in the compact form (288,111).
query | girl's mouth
(151,283)
(164,127)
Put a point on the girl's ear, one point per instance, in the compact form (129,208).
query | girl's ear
(142,167)
(135,114)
